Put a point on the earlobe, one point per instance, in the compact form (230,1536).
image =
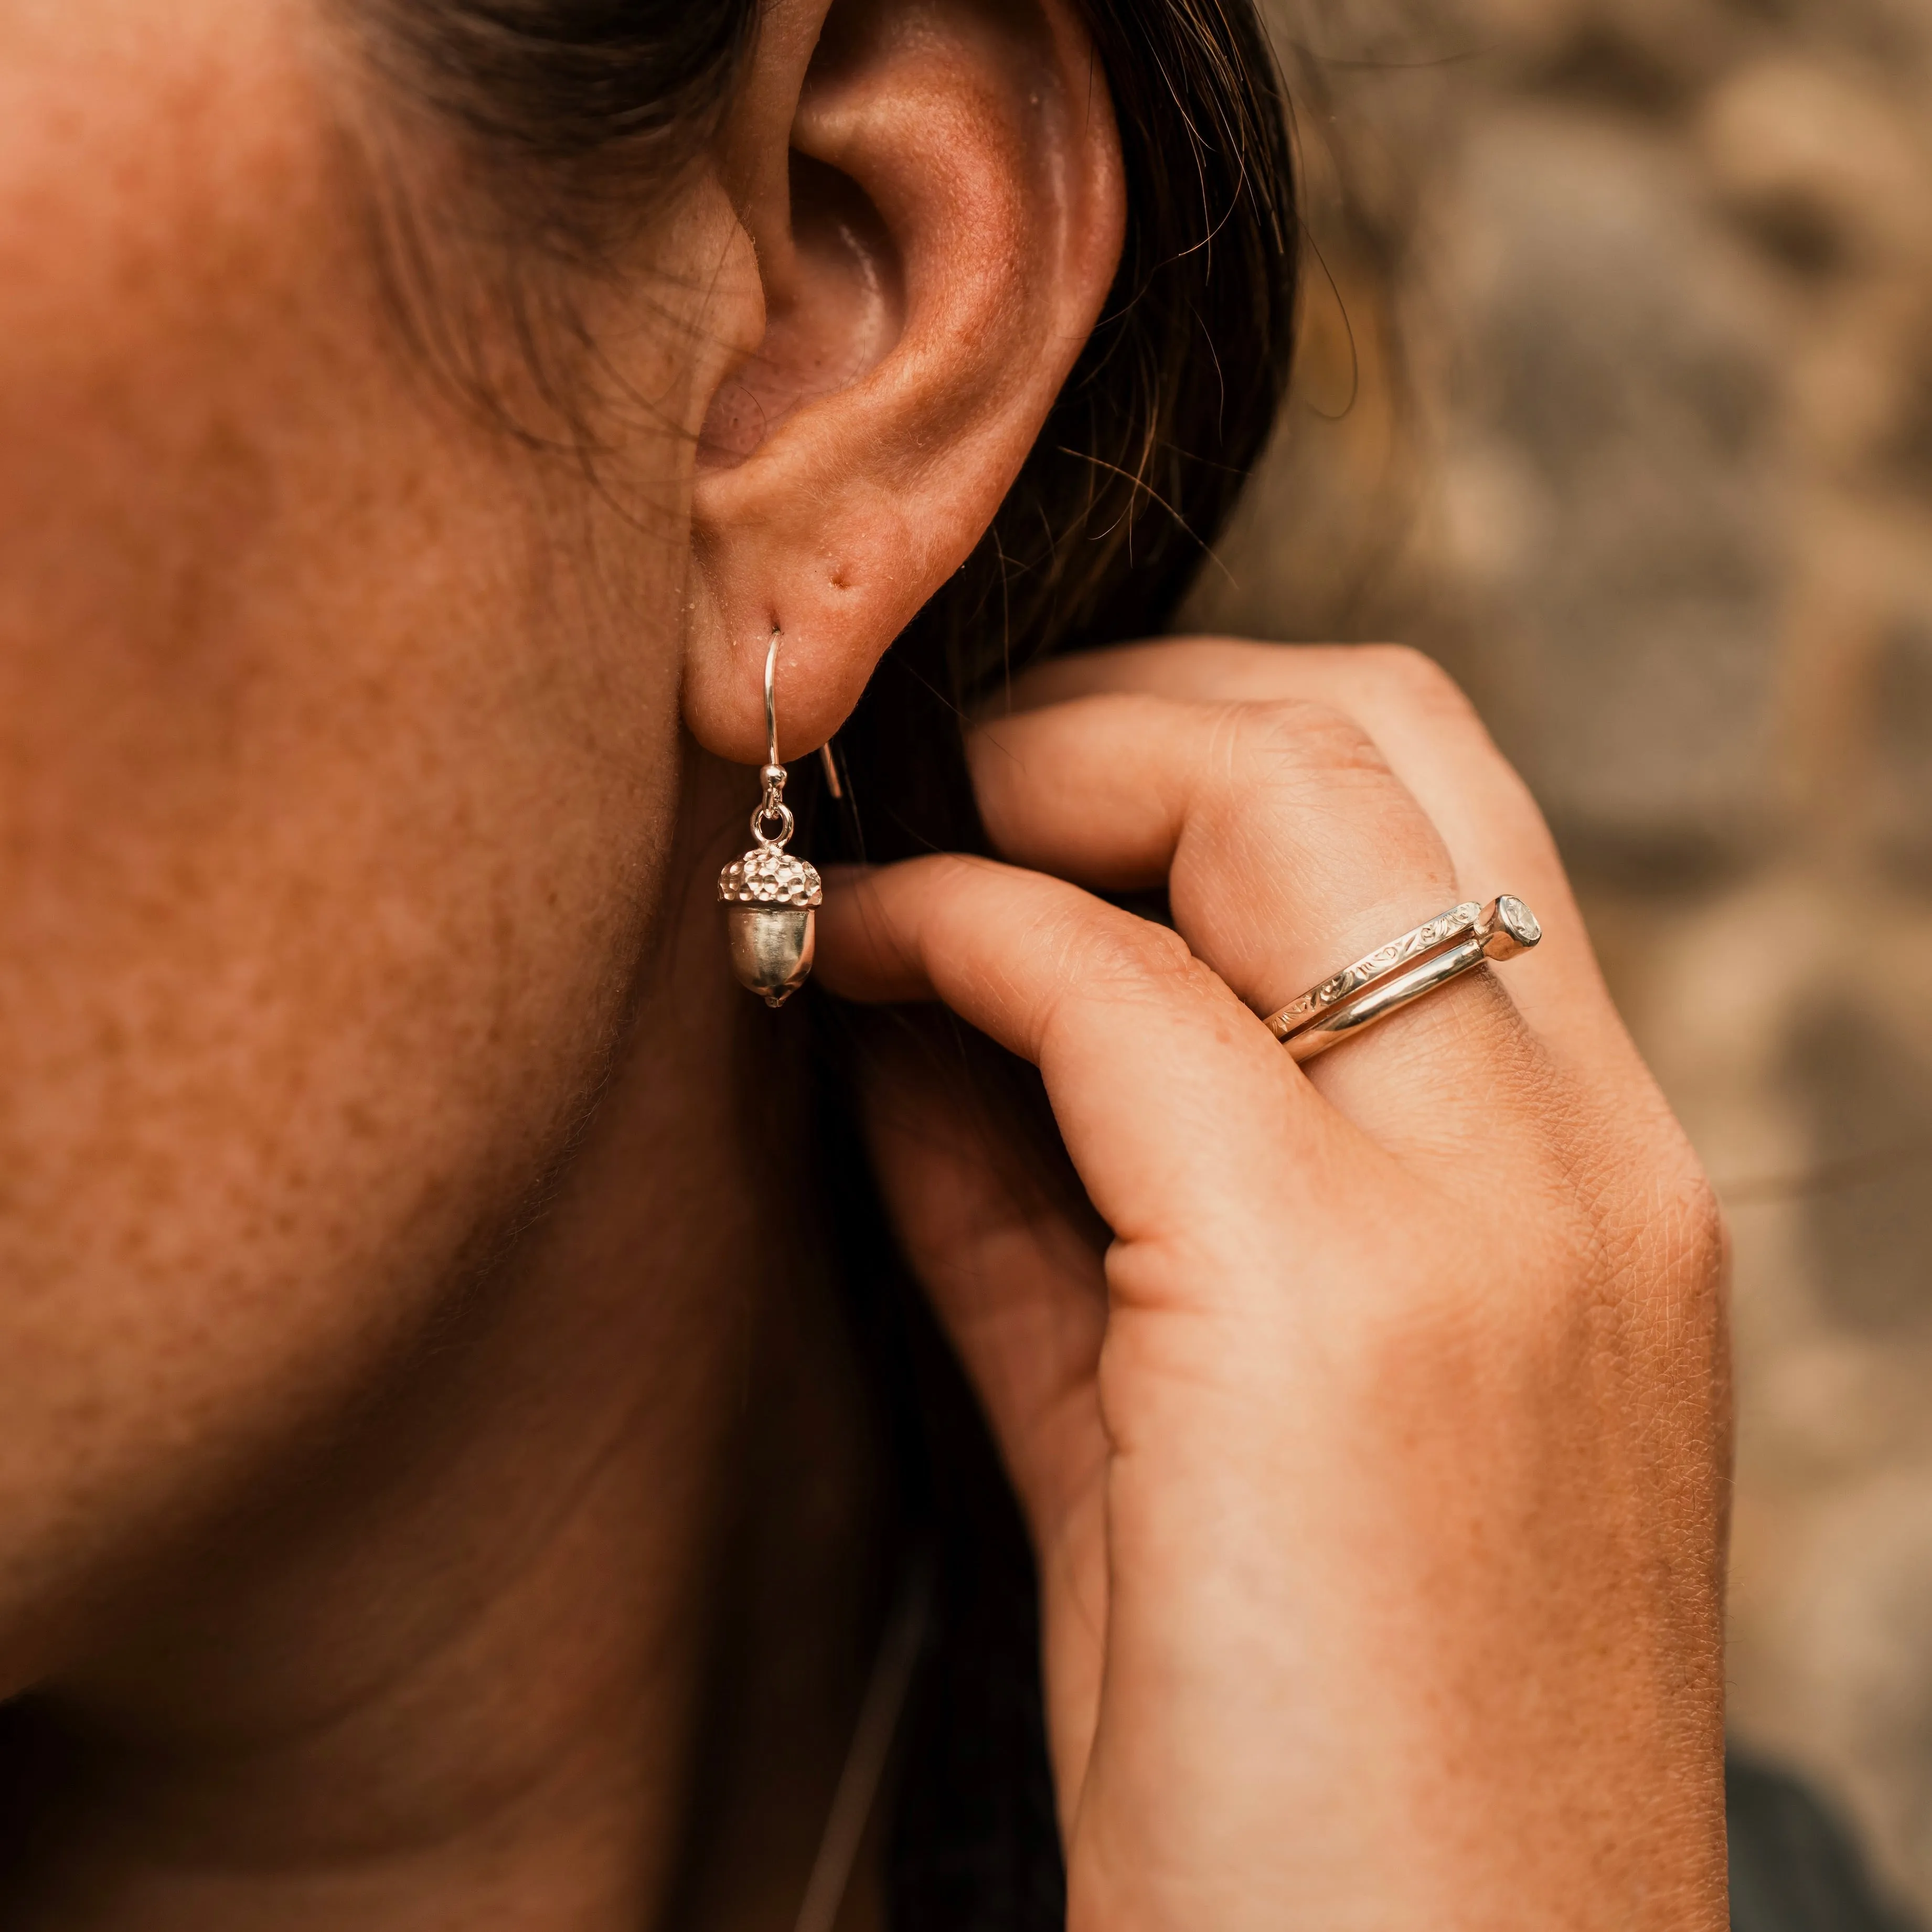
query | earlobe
(934,242)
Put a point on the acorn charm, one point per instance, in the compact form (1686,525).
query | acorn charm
(769,894)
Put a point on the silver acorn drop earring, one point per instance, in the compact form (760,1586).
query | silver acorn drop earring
(768,892)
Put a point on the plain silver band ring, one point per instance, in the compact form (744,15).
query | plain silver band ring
(1398,974)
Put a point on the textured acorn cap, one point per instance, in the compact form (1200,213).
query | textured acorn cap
(768,875)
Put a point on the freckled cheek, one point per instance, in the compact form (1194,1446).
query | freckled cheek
(337,758)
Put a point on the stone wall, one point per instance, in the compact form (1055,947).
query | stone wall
(1617,396)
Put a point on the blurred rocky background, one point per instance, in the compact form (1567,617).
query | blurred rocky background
(1617,397)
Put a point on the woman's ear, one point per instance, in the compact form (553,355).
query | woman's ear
(932,191)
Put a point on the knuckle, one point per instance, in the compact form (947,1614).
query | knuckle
(1135,957)
(1659,1248)
(1338,803)
(1412,678)
(1293,738)
(1698,1234)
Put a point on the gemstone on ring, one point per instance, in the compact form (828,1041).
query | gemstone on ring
(1517,920)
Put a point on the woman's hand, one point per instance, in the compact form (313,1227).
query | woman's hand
(1377,1469)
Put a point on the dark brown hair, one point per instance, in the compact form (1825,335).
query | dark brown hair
(573,105)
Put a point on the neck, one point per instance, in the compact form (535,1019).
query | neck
(467,1664)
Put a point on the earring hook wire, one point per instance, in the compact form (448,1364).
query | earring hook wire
(771,699)
(825,753)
